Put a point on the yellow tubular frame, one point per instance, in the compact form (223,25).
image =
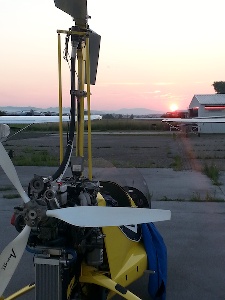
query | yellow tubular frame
(91,276)
(88,109)
(21,292)
(83,72)
(80,124)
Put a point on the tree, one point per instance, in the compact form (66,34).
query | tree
(219,87)
(108,116)
(2,113)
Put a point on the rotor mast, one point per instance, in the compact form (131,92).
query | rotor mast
(79,35)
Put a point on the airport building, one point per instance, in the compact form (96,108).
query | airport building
(208,106)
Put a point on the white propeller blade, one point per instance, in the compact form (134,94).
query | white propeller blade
(10,171)
(11,256)
(101,216)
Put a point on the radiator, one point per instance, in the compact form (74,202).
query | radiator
(48,279)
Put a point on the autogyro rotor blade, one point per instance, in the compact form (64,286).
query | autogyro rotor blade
(10,171)
(10,257)
(101,216)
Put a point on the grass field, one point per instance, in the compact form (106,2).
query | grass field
(104,125)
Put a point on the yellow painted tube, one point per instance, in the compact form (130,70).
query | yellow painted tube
(88,109)
(81,72)
(60,101)
(111,285)
(70,32)
(21,292)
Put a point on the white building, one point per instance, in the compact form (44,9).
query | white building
(208,106)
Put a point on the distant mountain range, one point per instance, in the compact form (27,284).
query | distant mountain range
(122,111)
(129,111)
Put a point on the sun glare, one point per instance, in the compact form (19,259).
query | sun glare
(173,107)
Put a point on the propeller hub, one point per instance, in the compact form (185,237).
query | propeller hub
(34,213)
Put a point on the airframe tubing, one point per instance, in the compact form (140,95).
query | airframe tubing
(21,292)
(70,32)
(80,103)
(108,283)
(88,109)
(60,101)
(81,77)
(101,280)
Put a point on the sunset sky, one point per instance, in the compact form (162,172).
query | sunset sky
(154,54)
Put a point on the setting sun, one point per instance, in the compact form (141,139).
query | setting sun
(173,107)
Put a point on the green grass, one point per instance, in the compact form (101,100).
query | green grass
(125,125)
(11,196)
(177,164)
(29,150)
(212,172)
(196,197)
(212,198)
(174,136)
(103,125)
(165,198)
(6,188)
(36,158)
(133,164)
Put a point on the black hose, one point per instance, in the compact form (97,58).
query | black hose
(69,146)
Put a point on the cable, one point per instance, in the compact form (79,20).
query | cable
(62,168)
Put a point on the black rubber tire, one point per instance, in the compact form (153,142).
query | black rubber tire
(94,291)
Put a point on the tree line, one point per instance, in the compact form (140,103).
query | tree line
(219,87)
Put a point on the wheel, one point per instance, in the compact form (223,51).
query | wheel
(138,197)
(87,291)
(90,292)
(97,292)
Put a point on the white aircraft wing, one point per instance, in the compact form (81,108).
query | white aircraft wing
(39,119)
(195,120)
(150,119)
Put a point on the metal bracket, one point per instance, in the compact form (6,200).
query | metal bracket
(78,93)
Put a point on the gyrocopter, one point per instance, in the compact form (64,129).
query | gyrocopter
(75,226)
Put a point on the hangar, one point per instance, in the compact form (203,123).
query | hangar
(208,106)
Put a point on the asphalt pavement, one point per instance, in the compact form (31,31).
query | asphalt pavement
(195,236)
